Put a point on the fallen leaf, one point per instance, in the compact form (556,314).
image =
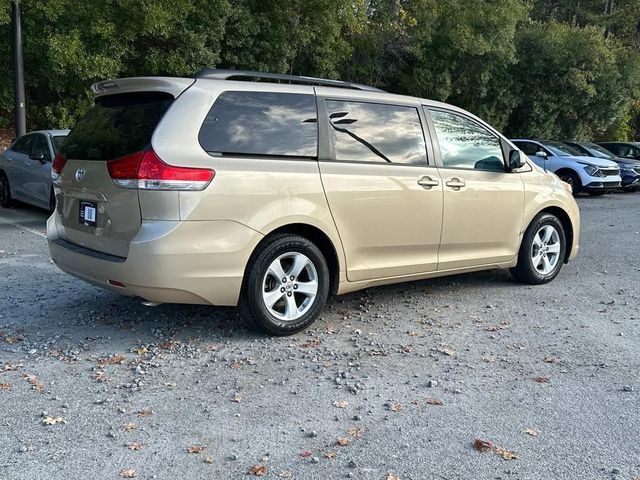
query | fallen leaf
(208,460)
(341,404)
(258,470)
(305,454)
(343,441)
(330,454)
(329,328)
(542,379)
(36,384)
(549,359)
(434,401)
(447,351)
(488,359)
(12,340)
(311,343)
(128,473)
(391,476)
(9,367)
(129,426)
(147,412)
(482,445)
(356,432)
(167,345)
(101,377)
(142,350)
(53,420)
(534,432)
(196,449)
(285,474)
(136,446)
(506,454)
(237,398)
(6,386)
(112,360)
(395,407)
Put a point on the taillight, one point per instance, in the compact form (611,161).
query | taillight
(56,167)
(146,171)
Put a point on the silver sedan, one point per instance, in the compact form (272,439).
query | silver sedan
(25,169)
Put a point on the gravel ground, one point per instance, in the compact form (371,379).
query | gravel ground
(393,382)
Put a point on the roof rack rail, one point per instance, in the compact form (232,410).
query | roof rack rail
(224,74)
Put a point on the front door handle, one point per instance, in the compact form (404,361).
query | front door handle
(455,183)
(427,182)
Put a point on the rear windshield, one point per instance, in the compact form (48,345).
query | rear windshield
(57,141)
(116,126)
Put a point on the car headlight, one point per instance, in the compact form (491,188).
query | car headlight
(592,171)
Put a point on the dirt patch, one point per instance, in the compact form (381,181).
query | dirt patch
(6,135)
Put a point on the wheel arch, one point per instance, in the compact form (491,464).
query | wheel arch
(567,169)
(567,225)
(315,235)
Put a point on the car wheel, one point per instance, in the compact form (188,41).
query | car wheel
(542,251)
(5,191)
(285,286)
(597,194)
(572,179)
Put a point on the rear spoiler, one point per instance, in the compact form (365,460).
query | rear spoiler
(174,86)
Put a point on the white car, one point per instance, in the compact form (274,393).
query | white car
(593,175)
(25,169)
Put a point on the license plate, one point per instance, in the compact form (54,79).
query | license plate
(88,213)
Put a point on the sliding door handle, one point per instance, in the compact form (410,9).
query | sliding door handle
(427,182)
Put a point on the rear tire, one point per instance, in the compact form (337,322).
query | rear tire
(542,251)
(5,191)
(285,286)
(572,179)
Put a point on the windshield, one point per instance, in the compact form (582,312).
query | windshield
(562,150)
(57,142)
(598,151)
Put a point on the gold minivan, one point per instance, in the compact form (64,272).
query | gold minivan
(272,192)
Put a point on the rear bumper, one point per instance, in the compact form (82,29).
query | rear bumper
(199,262)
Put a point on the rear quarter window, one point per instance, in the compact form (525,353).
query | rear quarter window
(261,123)
(116,126)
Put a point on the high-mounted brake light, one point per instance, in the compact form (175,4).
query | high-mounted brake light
(56,167)
(146,171)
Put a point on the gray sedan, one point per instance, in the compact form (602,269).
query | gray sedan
(25,169)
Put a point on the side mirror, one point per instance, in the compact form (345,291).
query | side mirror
(515,160)
(541,154)
(37,156)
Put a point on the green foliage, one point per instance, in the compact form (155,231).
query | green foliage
(554,68)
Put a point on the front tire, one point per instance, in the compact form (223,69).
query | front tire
(285,286)
(572,179)
(5,191)
(542,251)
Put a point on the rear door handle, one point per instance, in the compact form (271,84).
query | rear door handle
(427,182)
(455,183)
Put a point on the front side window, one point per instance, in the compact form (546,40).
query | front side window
(466,144)
(369,132)
(41,147)
(529,148)
(261,123)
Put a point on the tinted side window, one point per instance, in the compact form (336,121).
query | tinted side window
(23,144)
(528,148)
(370,132)
(466,144)
(117,125)
(262,123)
(41,147)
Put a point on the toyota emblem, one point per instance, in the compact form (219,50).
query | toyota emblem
(80,173)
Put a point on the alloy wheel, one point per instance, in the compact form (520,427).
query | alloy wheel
(290,286)
(545,250)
